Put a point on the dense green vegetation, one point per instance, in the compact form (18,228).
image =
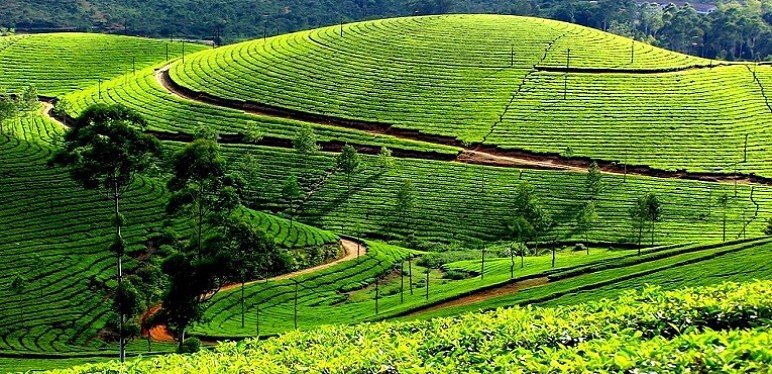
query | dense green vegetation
(56,237)
(640,330)
(436,228)
(467,204)
(670,269)
(398,72)
(60,63)
(711,28)
(166,112)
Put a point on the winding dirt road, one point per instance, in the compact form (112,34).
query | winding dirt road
(352,251)
(476,297)
(478,154)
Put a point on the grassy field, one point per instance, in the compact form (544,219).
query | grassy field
(63,62)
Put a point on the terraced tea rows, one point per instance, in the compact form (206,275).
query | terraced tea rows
(352,298)
(56,236)
(318,296)
(696,120)
(712,329)
(411,72)
(166,112)
(467,203)
(674,268)
(63,62)
(455,77)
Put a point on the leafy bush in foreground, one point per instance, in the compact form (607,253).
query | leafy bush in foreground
(693,329)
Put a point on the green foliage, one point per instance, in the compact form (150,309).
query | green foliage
(105,149)
(305,142)
(202,186)
(190,345)
(385,159)
(291,195)
(594,182)
(768,229)
(63,62)
(640,330)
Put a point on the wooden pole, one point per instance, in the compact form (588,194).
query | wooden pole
(296,305)
(402,283)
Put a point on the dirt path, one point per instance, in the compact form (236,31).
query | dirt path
(352,250)
(507,289)
(478,154)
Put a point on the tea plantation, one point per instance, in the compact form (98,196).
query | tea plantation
(656,261)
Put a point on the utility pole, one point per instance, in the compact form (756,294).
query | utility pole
(427,284)
(402,283)
(100,88)
(410,272)
(512,262)
(296,303)
(257,321)
(565,77)
(632,51)
(341,26)
(745,152)
(134,66)
(482,265)
(512,58)
(183,51)
(376,296)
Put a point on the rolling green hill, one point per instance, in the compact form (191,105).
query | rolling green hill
(57,237)
(500,81)
(434,90)
(63,62)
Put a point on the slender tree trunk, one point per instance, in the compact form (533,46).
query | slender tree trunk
(119,238)
(553,257)
(653,225)
(181,339)
(410,272)
(200,219)
(242,302)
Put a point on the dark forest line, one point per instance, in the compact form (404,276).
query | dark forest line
(710,28)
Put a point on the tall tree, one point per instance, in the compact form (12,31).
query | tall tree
(106,150)
(202,186)
(305,143)
(653,212)
(193,280)
(252,253)
(586,219)
(594,182)
(292,195)
(348,162)
(530,221)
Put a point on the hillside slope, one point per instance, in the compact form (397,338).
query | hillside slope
(638,331)
(505,83)
(62,62)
